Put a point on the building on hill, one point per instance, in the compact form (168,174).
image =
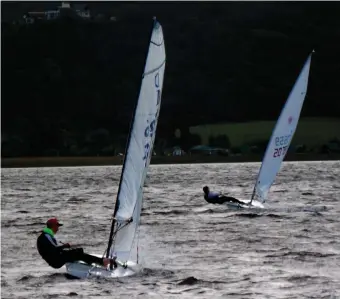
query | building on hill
(75,9)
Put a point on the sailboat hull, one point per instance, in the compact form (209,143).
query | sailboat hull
(236,206)
(257,205)
(82,270)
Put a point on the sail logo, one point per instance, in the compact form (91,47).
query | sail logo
(281,144)
(157,90)
(290,119)
(151,126)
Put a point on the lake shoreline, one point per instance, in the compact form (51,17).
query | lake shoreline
(25,162)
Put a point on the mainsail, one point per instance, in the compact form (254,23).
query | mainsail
(139,150)
(282,135)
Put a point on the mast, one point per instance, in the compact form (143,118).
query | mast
(110,241)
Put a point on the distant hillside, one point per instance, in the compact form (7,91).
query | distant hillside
(310,131)
(226,62)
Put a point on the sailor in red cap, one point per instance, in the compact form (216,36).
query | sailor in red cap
(57,255)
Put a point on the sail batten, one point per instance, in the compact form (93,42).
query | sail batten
(153,70)
(282,135)
(139,148)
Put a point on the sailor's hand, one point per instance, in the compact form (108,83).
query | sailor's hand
(67,245)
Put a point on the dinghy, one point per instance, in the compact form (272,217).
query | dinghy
(123,238)
(279,142)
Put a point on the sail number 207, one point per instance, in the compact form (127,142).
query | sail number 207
(281,143)
(151,126)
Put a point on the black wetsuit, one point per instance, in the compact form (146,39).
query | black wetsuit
(221,199)
(56,256)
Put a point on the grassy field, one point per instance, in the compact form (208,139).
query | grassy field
(312,132)
(102,161)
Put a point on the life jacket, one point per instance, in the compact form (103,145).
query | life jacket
(48,248)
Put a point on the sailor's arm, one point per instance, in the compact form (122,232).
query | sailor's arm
(63,246)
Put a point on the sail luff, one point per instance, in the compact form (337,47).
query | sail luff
(137,159)
(119,187)
(124,164)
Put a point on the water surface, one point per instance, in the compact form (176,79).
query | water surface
(189,249)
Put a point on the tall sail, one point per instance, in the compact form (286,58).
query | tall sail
(282,135)
(139,149)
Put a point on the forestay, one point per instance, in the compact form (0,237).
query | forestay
(140,147)
(282,135)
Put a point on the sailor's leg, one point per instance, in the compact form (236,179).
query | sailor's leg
(79,255)
(72,255)
(224,199)
(90,259)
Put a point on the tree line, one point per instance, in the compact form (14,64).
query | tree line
(69,85)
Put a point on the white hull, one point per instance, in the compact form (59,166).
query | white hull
(82,270)
(257,204)
(236,206)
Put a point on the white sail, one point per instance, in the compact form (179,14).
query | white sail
(140,147)
(282,135)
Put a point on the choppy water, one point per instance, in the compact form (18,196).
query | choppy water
(189,249)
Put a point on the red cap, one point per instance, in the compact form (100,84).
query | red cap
(53,221)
